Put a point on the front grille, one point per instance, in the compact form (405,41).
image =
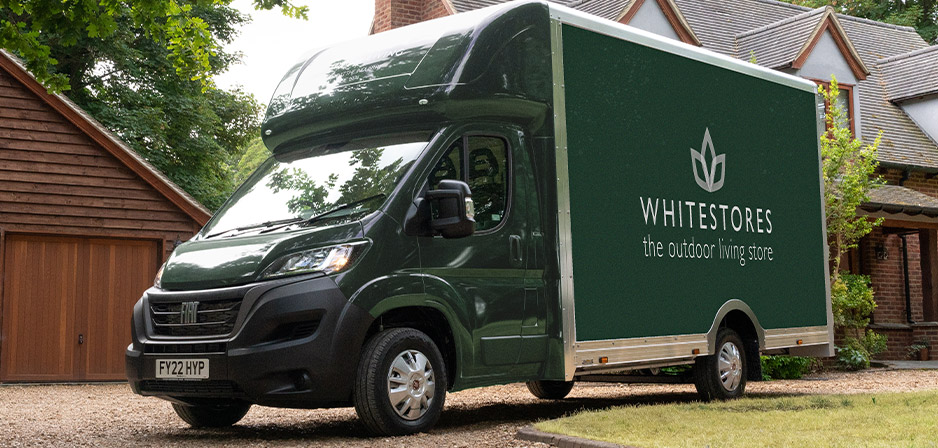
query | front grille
(218,347)
(213,318)
(189,387)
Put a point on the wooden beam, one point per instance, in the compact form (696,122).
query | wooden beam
(928,246)
(671,13)
(829,23)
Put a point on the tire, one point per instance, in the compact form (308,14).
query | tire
(550,390)
(213,415)
(722,376)
(401,383)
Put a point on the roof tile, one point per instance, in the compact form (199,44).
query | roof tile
(897,199)
(911,75)
(777,45)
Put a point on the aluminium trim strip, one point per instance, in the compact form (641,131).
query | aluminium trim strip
(623,352)
(638,350)
(609,28)
(789,337)
(821,120)
(563,202)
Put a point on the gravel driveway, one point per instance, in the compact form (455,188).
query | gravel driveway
(108,415)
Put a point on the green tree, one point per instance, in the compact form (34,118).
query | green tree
(370,177)
(849,168)
(921,14)
(37,29)
(112,63)
(253,155)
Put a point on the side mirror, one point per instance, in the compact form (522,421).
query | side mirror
(452,212)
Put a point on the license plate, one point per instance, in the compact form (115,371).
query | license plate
(182,368)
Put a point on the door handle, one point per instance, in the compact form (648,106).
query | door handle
(514,243)
(81,339)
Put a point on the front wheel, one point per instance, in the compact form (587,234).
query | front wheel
(722,376)
(401,383)
(212,415)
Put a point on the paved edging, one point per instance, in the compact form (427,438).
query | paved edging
(530,434)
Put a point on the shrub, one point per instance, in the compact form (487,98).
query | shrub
(874,343)
(852,301)
(851,356)
(784,367)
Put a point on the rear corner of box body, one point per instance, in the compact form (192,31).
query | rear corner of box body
(563,201)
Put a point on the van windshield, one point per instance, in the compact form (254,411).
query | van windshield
(322,185)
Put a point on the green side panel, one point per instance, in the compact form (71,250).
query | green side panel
(634,116)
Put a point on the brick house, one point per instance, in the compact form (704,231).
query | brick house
(889,82)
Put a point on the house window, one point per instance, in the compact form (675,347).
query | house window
(844,99)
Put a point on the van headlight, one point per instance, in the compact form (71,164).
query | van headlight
(158,280)
(328,260)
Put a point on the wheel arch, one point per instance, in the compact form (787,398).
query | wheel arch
(427,313)
(738,316)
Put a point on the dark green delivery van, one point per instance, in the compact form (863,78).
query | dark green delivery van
(523,193)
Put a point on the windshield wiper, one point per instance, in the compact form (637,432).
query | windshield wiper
(260,225)
(345,206)
(269,226)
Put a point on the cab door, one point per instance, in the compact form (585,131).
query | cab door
(486,270)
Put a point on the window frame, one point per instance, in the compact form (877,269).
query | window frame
(464,170)
(851,108)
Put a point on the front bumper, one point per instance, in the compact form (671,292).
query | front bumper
(294,343)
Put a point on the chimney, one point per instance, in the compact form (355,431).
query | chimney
(390,14)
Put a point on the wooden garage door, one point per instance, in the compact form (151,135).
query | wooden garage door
(67,304)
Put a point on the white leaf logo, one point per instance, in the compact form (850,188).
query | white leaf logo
(709,180)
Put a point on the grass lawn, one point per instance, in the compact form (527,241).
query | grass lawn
(877,420)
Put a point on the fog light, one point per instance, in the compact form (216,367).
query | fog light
(302,381)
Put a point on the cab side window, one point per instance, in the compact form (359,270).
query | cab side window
(449,167)
(481,162)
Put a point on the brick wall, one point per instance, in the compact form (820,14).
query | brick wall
(390,14)
(888,281)
(888,278)
(434,9)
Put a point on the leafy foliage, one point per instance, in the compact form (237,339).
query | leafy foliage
(855,353)
(852,357)
(308,196)
(848,168)
(253,155)
(921,14)
(370,178)
(852,301)
(874,343)
(37,29)
(142,70)
(783,367)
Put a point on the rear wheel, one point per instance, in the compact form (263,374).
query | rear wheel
(212,415)
(722,376)
(550,390)
(401,383)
